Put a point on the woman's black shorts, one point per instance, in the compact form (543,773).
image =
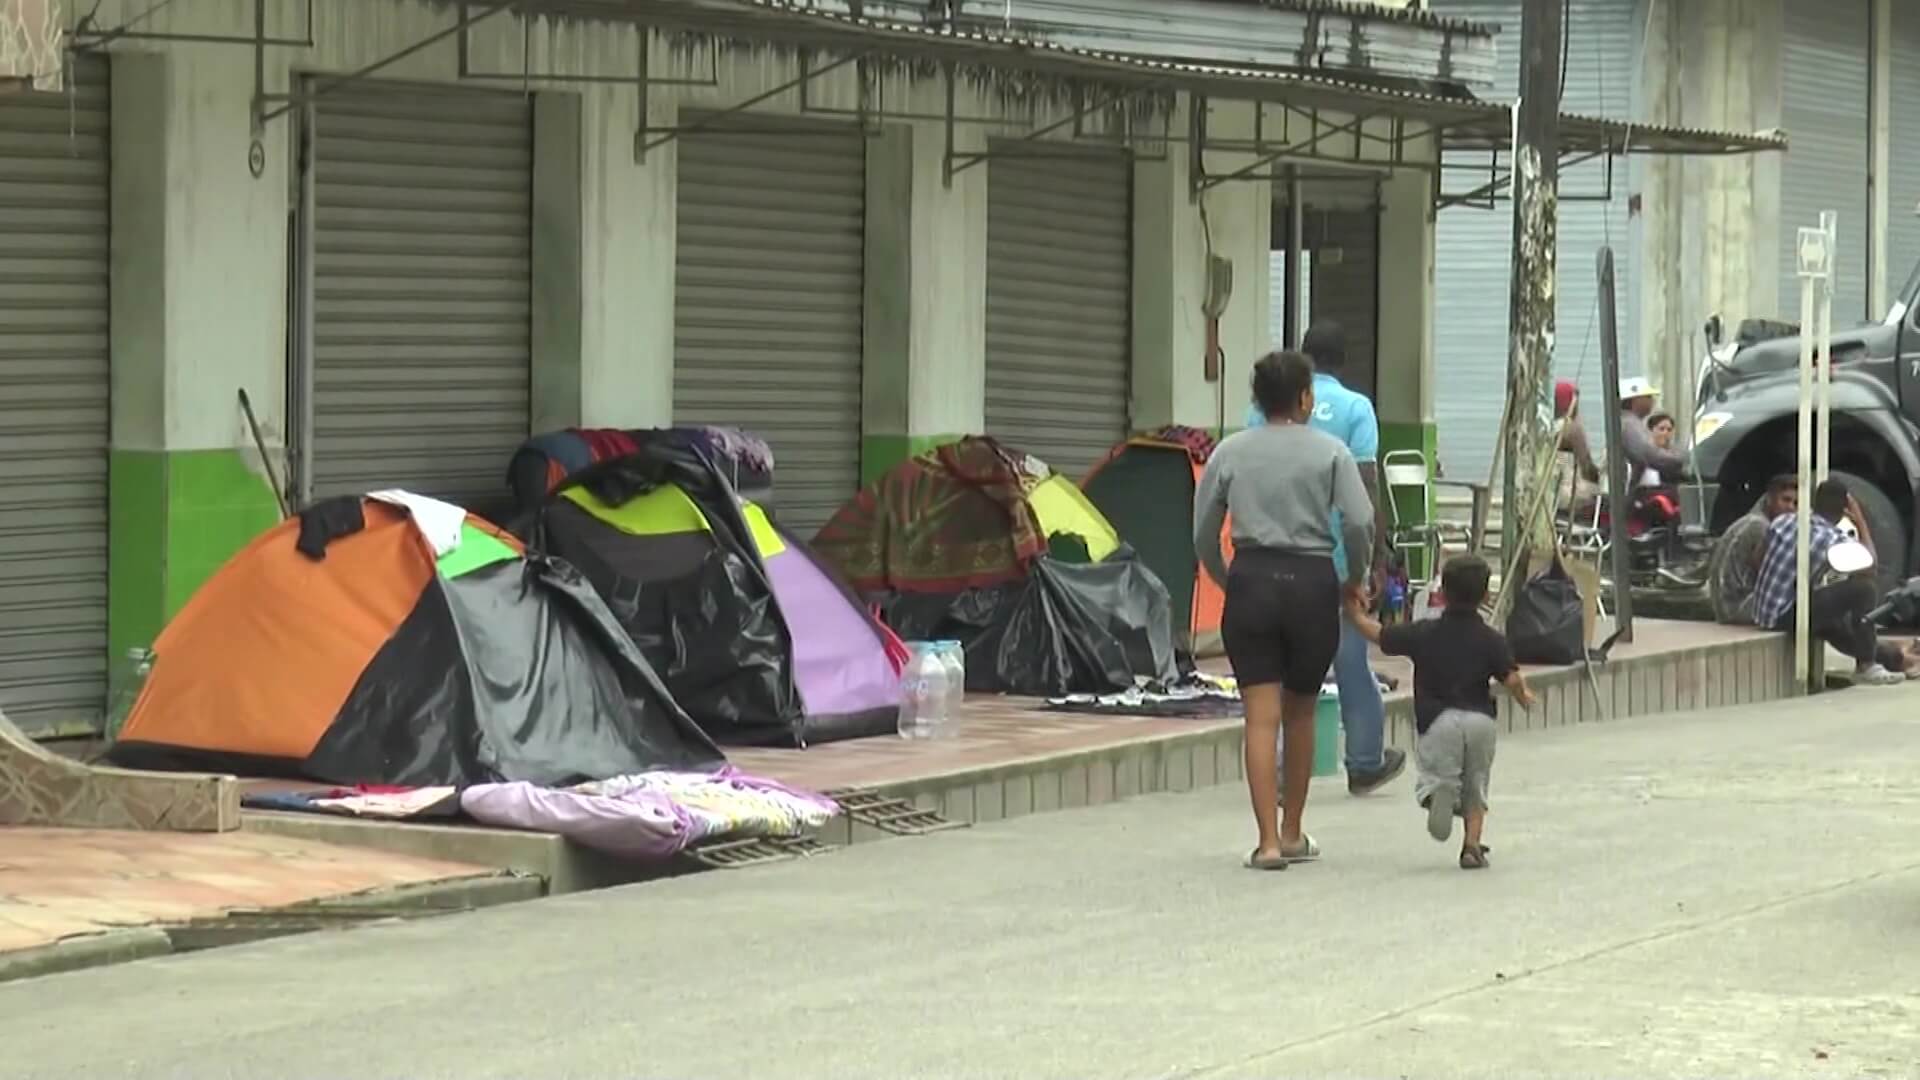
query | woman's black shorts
(1282,618)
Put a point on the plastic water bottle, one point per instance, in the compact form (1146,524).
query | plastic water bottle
(923,693)
(953,657)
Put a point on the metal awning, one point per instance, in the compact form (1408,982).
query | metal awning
(1464,124)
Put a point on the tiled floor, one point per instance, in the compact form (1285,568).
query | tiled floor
(1006,730)
(60,883)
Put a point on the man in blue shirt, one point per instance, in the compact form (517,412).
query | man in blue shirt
(1836,612)
(1348,416)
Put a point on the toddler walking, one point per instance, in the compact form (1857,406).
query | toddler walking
(1455,659)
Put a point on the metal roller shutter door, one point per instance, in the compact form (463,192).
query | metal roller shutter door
(1059,305)
(422,290)
(768,304)
(1473,246)
(1825,111)
(54,234)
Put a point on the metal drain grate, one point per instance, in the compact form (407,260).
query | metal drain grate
(891,815)
(757,851)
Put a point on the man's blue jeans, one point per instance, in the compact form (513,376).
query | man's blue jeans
(1363,714)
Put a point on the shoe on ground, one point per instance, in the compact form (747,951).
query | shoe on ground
(1474,858)
(1392,764)
(1877,675)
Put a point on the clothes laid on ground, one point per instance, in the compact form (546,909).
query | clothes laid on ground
(369,801)
(1196,696)
(1455,659)
(653,815)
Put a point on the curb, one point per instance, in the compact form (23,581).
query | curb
(92,950)
(422,899)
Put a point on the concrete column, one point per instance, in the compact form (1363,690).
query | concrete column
(558,162)
(198,286)
(1173,233)
(1710,226)
(1405,351)
(626,255)
(1880,167)
(924,354)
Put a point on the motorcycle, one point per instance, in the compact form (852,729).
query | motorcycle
(1669,547)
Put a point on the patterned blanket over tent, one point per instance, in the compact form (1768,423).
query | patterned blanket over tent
(960,516)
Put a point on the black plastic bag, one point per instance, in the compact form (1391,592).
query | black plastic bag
(1066,629)
(1548,621)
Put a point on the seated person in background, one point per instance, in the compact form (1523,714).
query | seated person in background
(1576,475)
(1661,427)
(1737,554)
(1837,611)
(1573,434)
(1638,447)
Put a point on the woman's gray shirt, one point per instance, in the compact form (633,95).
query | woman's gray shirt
(1281,483)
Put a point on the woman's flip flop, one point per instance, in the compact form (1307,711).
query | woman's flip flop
(1306,852)
(1257,861)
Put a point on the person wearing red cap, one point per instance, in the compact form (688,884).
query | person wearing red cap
(1573,435)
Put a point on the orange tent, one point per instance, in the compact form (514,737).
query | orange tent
(339,646)
(1145,487)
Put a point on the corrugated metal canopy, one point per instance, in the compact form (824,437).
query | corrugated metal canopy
(1465,123)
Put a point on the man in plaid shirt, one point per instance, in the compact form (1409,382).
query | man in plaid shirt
(1836,612)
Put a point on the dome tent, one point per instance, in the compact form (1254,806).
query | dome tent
(347,646)
(975,543)
(759,641)
(1146,487)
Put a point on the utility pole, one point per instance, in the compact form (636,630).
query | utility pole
(1527,515)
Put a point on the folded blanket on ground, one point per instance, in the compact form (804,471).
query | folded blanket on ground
(655,814)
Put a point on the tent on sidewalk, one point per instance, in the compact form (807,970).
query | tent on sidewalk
(397,640)
(758,640)
(976,543)
(1146,488)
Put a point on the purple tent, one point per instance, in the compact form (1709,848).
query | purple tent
(840,660)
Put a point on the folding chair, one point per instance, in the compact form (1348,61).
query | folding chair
(1406,471)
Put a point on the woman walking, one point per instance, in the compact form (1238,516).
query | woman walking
(1280,484)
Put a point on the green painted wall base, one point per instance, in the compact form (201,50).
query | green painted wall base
(878,453)
(173,519)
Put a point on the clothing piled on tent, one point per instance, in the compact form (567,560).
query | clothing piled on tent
(1146,486)
(545,461)
(341,646)
(973,543)
(757,640)
(653,815)
(960,516)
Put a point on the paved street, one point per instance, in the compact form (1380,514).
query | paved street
(1723,894)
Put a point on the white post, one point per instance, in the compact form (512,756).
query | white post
(1812,267)
(1823,342)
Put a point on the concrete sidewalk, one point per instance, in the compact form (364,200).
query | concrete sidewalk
(1733,893)
(81,897)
